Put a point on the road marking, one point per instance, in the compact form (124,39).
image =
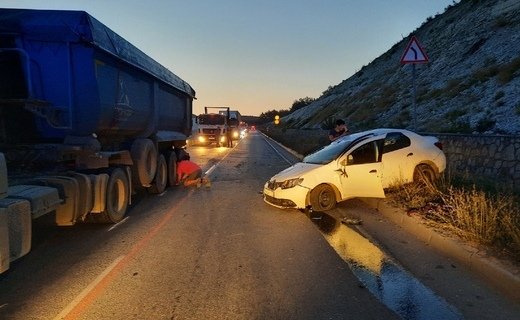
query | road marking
(278,152)
(210,169)
(87,290)
(213,167)
(117,224)
(97,287)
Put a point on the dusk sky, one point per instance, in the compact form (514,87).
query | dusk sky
(256,56)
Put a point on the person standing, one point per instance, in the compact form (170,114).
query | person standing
(339,130)
(229,137)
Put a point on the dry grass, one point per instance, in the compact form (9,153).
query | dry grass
(488,218)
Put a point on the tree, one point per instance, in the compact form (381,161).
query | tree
(300,103)
(268,116)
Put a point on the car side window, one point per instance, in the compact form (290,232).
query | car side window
(367,153)
(395,141)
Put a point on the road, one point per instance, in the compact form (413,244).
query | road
(222,253)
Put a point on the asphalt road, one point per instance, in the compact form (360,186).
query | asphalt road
(222,253)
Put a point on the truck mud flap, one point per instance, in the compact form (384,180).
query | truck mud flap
(85,194)
(99,187)
(43,199)
(3,177)
(15,230)
(69,211)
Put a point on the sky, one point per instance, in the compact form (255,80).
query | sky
(256,55)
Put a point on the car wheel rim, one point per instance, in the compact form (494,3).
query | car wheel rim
(325,199)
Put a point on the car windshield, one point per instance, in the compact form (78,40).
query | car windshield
(330,152)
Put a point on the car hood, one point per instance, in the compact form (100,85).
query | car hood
(295,171)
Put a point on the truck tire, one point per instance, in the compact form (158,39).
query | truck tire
(144,157)
(160,181)
(117,198)
(172,169)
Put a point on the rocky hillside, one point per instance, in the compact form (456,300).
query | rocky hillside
(470,85)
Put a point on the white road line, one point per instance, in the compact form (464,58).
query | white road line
(278,152)
(210,170)
(87,290)
(117,224)
(213,167)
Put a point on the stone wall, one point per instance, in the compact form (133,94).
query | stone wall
(492,157)
(487,156)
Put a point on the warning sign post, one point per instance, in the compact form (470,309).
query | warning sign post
(414,54)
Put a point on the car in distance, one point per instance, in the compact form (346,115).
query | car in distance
(362,164)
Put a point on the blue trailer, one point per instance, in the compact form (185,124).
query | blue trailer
(86,119)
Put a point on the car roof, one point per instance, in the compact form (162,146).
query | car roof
(374,133)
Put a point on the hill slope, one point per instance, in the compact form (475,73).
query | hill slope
(471,83)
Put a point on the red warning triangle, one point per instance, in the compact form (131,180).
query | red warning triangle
(414,53)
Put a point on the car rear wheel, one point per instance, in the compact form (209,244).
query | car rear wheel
(424,173)
(323,198)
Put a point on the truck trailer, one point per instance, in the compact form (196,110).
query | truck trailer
(86,121)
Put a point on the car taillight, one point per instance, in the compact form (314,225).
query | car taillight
(438,145)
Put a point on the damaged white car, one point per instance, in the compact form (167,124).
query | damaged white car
(358,165)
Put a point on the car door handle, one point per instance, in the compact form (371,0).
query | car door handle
(410,154)
(373,171)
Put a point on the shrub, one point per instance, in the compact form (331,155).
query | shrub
(328,123)
(499,95)
(508,71)
(484,125)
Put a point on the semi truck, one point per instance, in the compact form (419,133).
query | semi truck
(212,127)
(87,120)
(235,123)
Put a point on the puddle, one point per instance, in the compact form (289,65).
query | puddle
(386,280)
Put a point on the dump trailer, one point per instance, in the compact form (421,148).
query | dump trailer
(86,121)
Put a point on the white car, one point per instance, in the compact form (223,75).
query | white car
(358,165)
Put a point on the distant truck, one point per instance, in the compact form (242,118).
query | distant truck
(234,122)
(212,128)
(87,120)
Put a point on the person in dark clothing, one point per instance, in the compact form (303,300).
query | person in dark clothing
(339,130)
(229,137)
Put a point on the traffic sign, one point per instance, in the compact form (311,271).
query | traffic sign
(414,53)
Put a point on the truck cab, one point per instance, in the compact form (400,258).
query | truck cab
(211,129)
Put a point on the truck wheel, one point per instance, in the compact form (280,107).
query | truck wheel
(161,177)
(144,157)
(117,196)
(172,169)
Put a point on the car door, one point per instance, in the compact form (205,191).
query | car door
(398,159)
(360,171)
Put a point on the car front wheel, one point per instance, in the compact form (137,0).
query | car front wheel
(323,198)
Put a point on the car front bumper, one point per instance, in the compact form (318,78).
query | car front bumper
(294,198)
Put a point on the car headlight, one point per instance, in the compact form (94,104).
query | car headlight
(291,183)
(235,134)
(202,139)
(222,139)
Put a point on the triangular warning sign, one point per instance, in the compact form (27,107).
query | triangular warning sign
(414,53)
